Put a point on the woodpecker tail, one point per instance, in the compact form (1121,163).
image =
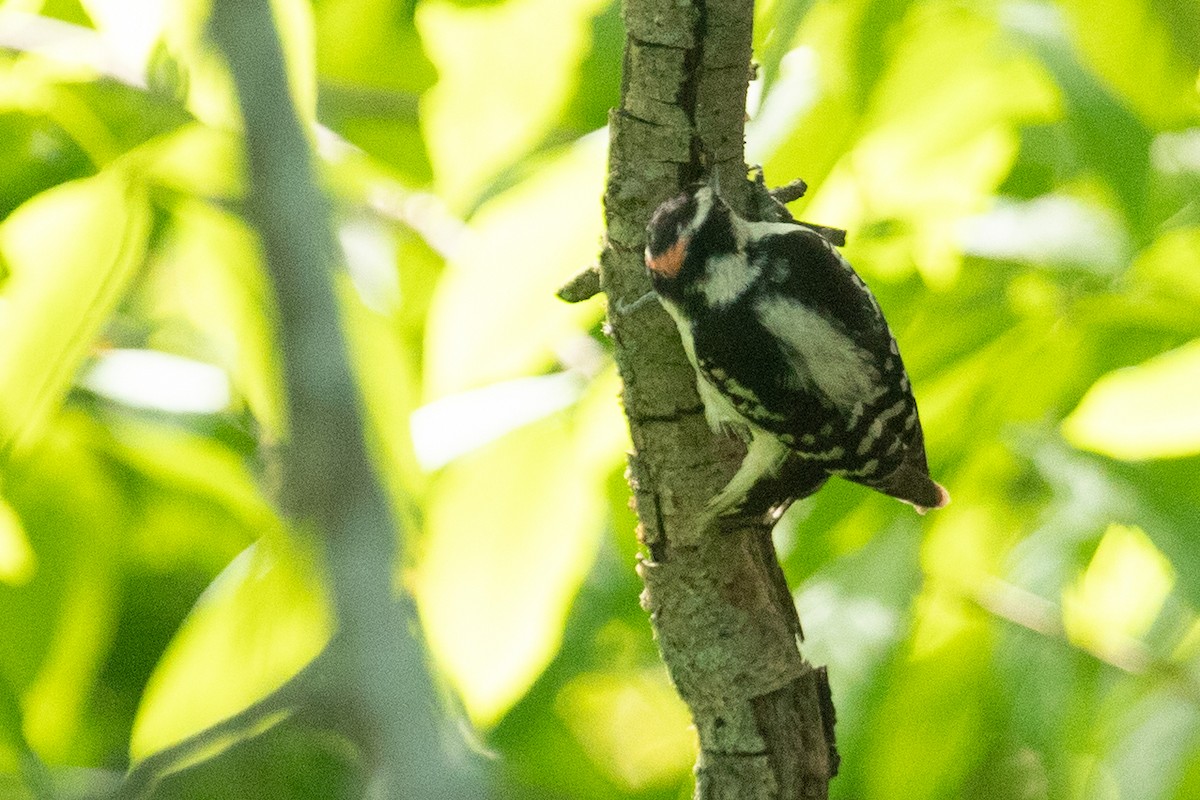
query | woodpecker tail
(910,482)
(913,486)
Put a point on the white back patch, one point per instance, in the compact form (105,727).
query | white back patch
(820,356)
(704,204)
(726,278)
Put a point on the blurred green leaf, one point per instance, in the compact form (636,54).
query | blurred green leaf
(12,740)
(372,70)
(170,460)
(207,275)
(1143,411)
(37,156)
(57,624)
(195,160)
(517,105)
(632,724)
(287,761)
(259,623)
(1018,181)
(1145,50)
(495,315)
(17,561)
(775,31)
(1111,139)
(66,10)
(928,723)
(498,573)
(598,77)
(596,91)
(878,28)
(62,290)
(1120,594)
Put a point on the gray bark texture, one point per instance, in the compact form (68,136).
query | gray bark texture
(720,608)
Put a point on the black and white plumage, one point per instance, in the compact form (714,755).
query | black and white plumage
(792,352)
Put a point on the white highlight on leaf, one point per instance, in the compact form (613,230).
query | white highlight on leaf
(158,381)
(793,93)
(454,426)
(1053,230)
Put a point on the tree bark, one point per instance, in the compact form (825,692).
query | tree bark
(721,610)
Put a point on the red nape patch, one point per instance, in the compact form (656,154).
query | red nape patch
(670,262)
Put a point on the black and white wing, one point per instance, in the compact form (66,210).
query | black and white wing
(842,358)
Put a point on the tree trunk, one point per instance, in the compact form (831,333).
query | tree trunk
(720,608)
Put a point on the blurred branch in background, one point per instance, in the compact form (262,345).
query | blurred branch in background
(381,692)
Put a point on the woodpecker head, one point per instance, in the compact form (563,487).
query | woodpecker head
(684,237)
(691,239)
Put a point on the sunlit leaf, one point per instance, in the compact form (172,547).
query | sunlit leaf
(177,460)
(512,107)
(208,274)
(1110,138)
(1033,162)
(633,726)
(935,144)
(57,625)
(209,89)
(1120,594)
(372,72)
(66,10)
(17,560)
(384,316)
(1151,410)
(260,622)
(598,77)
(196,160)
(1170,268)
(512,531)
(62,289)
(37,155)
(88,84)
(1144,50)
(495,315)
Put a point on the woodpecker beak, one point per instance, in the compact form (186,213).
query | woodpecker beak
(670,262)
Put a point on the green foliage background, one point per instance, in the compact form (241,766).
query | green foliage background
(1020,184)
